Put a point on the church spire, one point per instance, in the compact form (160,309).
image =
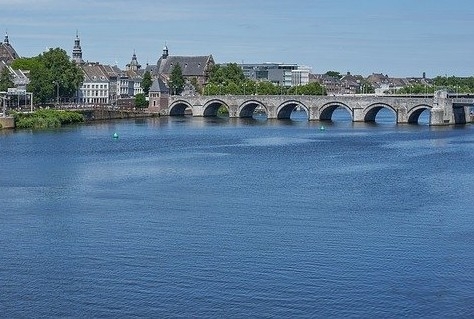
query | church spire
(77,51)
(6,41)
(165,52)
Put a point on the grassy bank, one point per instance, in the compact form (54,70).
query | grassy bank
(43,119)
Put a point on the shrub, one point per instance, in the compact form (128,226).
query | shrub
(43,119)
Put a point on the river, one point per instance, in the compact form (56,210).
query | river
(226,218)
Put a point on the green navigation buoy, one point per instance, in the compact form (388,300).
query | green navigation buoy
(115,135)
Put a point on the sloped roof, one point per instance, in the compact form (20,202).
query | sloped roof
(151,68)
(159,86)
(111,71)
(7,52)
(93,72)
(136,75)
(190,65)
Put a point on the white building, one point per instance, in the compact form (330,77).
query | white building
(300,76)
(280,74)
(96,86)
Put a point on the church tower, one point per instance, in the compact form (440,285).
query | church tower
(133,65)
(77,51)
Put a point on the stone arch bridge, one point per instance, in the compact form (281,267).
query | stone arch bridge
(443,109)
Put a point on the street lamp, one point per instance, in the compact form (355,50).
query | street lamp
(31,100)
(220,87)
(4,106)
(57,91)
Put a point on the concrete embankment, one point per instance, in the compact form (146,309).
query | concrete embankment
(102,115)
(7,122)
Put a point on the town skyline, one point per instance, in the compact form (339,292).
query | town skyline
(401,39)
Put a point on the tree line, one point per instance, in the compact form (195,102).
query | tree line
(51,74)
(230,79)
(452,84)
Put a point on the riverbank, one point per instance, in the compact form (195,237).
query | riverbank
(46,118)
(50,118)
(7,122)
(104,114)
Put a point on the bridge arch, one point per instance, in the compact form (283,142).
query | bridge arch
(178,108)
(372,110)
(247,108)
(328,109)
(211,107)
(284,110)
(414,113)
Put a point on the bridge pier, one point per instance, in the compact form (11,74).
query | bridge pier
(358,114)
(272,111)
(233,110)
(437,117)
(198,110)
(314,113)
(441,113)
(402,115)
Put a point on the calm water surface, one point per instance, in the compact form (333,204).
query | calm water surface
(197,217)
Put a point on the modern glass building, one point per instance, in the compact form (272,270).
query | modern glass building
(278,73)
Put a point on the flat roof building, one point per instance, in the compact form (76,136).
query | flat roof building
(280,74)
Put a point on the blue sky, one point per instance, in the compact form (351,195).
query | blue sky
(398,37)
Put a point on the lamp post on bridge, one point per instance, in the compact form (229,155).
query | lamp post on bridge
(220,87)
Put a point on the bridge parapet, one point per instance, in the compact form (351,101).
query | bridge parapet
(464,101)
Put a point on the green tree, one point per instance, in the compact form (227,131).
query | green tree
(417,89)
(455,84)
(51,71)
(266,88)
(6,80)
(334,74)
(366,88)
(197,87)
(176,81)
(229,79)
(140,100)
(39,78)
(146,82)
(313,88)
